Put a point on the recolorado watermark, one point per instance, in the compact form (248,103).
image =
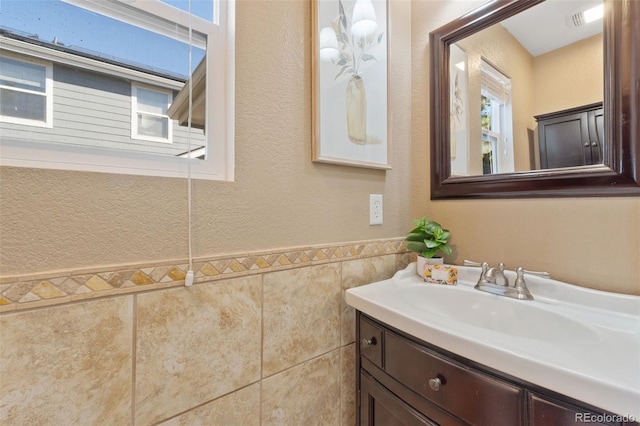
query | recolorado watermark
(602,418)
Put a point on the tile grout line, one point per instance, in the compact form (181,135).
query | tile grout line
(134,357)
(261,343)
(340,347)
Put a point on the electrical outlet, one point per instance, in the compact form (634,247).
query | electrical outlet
(375,209)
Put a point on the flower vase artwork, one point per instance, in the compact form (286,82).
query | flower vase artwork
(346,44)
(356,103)
(456,113)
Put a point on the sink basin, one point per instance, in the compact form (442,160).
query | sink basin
(520,318)
(576,341)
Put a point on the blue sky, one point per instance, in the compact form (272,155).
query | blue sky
(77,27)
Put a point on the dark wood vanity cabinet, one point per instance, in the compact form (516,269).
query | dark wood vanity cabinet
(381,407)
(404,381)
(572,137)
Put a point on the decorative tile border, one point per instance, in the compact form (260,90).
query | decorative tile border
(53,288)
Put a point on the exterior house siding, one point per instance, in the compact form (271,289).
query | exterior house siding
(94,109)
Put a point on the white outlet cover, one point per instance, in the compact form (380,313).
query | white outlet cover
(375,209)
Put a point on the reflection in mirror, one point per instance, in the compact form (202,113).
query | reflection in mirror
(101,74)
(604,159)
(526,93)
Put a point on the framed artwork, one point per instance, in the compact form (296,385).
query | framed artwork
(458,114)
(350,83)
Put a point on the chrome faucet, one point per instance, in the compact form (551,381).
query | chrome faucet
(494,275)
(494,281)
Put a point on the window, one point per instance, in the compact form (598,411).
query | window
(496,121)
(135,106)
(490,119)
(149,119)
(25,92)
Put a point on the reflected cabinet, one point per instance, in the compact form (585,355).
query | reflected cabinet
(572,137)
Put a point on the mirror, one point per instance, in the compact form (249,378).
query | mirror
(514,115)
(510,83)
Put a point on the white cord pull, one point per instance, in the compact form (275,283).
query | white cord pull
(188,280)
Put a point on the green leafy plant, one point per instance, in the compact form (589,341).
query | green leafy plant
(427,238)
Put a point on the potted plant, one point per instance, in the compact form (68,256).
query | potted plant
(427,239)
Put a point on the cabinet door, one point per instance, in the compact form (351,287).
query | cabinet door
(564,141)
(379,407)
(596,135)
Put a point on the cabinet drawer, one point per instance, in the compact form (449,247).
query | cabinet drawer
(468,394)
(544,411)
(371,342)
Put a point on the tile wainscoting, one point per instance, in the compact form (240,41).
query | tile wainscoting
(260,339)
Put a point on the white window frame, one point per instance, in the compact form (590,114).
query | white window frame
(135,111)
(501,120)
(487,138)
(48,94)
(220,100)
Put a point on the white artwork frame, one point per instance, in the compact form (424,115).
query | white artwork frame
(350,83)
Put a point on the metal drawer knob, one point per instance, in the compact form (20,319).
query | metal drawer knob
(369,342)
(434,384)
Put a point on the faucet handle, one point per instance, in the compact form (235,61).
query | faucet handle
(483,265)
(519,282)
(520,271)
(485,269)
(539,274)
(520,285)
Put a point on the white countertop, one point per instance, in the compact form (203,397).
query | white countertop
(579,342)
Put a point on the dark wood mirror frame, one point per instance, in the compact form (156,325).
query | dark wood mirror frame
(618,176)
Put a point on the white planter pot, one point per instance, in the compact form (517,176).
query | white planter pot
(421,261)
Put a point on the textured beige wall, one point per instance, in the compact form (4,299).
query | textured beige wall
(591,242)
(569,77)
(57,219)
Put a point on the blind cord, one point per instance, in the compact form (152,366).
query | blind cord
(189,277)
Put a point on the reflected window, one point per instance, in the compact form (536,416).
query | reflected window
(489,147)
(495,118)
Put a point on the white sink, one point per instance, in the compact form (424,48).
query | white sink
(497,313)
(579,342)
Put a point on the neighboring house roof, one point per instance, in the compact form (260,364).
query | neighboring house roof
(179,109)
(86,55)
(73,55)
